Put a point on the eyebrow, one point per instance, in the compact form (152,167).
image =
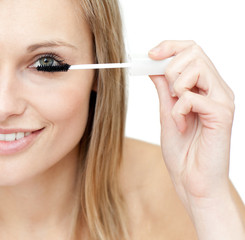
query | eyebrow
(49,44)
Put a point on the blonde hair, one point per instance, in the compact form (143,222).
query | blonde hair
(101,206)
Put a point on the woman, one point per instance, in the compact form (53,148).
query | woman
(66,170)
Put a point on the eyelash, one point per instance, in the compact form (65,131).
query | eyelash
(51,69)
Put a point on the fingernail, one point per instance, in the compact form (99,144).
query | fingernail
(154,51)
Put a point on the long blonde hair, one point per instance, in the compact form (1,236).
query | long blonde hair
(101,204)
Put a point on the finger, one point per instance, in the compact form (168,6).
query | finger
(195,75)
(195,55)
(183,59)
(198,78)
(168,48)
(210,113)
(165,99)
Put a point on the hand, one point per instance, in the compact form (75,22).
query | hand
(196,110)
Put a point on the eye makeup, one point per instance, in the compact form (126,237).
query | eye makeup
(57,68)
(49,62)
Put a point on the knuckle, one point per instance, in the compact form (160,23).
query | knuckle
(186,96)
(196,50)
(192,42)
(178,88)
(169,73)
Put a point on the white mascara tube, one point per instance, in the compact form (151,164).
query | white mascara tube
(137,66)
(147,66)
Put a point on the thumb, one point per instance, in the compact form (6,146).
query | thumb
(165,99)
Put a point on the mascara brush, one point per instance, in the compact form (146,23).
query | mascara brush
(137,66)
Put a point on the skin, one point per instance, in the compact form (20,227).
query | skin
(154,202)
(186,185)
(197,109)
(33,100)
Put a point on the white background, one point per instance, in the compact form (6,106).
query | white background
(218,27)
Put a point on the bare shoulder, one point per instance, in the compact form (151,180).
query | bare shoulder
(151,196)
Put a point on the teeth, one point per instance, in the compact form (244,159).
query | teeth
(19,135)
(27,134)
(13,136)
(10,137)
(2,137)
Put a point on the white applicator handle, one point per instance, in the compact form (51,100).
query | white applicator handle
(137,66)
(147,66)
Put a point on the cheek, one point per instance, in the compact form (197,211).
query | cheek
(68,117)
(63,108)
(60,105)
(66,105)
(61,99)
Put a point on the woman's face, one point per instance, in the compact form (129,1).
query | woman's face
(47,111)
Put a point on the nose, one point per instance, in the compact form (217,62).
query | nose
(11,103)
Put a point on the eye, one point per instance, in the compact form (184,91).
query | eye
(47,61)
(50,63)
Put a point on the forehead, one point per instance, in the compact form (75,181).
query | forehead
(26,21)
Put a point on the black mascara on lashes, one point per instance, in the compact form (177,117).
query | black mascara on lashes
(58,68)
(61,67)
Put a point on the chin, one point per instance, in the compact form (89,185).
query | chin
(15,176)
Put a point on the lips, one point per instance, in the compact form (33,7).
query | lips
(16,140)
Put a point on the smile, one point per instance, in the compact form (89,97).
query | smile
(14,141)
(13,136)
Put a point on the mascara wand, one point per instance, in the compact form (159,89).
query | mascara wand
(137,66)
